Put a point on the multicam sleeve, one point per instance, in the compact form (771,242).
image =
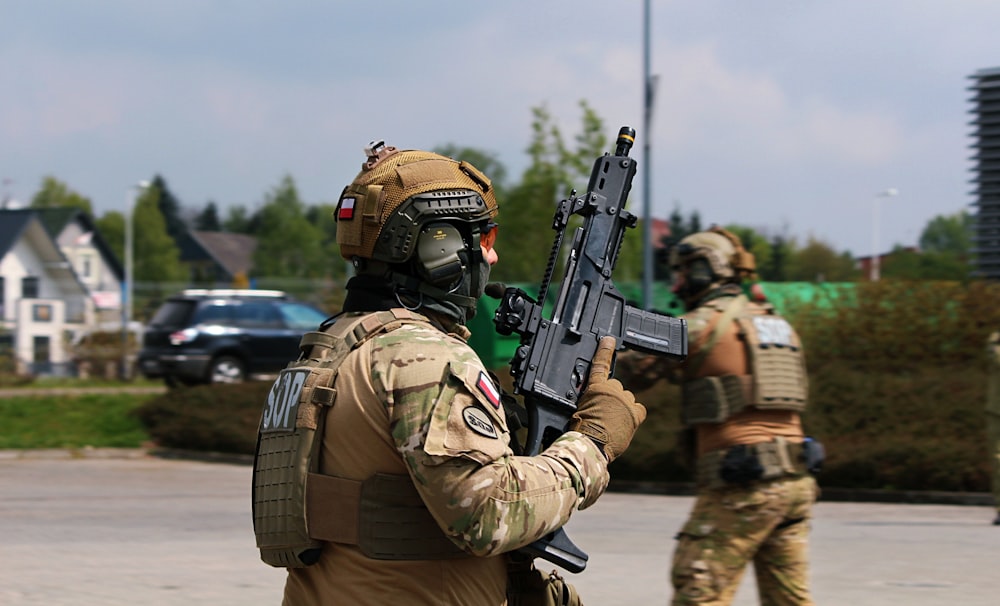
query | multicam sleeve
(449,427)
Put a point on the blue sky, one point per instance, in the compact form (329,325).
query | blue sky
(787,116)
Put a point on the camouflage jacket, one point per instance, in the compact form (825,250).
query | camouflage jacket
(417,401)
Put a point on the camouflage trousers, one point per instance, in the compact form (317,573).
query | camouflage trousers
(993,434)
(766,523)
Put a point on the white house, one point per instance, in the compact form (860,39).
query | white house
(95,263)
(56,281)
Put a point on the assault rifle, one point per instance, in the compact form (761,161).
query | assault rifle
(552,363)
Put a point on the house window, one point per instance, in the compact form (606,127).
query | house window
(86,266)
(41,313)
(29,287)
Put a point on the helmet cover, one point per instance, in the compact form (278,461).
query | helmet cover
(380,214)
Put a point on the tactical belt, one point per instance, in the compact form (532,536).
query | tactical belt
(383,515)
(747,463)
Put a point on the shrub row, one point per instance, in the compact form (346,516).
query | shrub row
(897,384)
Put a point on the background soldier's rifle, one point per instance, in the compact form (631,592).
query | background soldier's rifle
(551,365)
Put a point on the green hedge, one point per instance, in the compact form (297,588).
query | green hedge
(897,383)
(218,418)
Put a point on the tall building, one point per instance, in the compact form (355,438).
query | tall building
(986,237)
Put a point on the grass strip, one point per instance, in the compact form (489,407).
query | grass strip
(67,421)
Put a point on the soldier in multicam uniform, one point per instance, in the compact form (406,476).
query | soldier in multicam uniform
(743,385)
(993,418)
(414,493)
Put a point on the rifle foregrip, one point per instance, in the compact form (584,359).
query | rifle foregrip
(654,333)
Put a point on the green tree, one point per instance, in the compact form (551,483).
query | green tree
(909,264)
(945,252)
(817,261)
(170,208)
(948,233)
(208,218)
(322,216)
(56,194)
(526,236)
(782,249)
(112,227)
(239,220)
(288,244)
(156,256)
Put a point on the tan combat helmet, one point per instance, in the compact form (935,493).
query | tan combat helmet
(380,213)
(709,259)
(416,219)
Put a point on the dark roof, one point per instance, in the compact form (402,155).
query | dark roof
(12,224)
(55,219)
(232,252)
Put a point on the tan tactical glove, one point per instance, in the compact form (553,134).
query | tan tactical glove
(607,413)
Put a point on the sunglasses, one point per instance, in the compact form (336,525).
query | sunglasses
(488,237)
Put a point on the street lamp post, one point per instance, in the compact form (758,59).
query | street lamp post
(127,284)
(874,267)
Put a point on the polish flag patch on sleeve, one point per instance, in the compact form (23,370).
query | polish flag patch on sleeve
(489,390)
(346,210)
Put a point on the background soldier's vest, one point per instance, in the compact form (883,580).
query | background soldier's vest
(296,509)
(777,379)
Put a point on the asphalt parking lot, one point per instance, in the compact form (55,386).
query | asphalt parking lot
(125,530)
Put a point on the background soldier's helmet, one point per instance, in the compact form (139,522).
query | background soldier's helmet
(709,259)
(417,213)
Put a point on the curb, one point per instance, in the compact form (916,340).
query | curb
(86,452)
(829,494)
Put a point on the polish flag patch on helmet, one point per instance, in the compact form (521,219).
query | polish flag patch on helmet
(489,390)
(346,210)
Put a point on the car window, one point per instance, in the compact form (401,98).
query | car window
(214,313)
(173,313)
(257,315)
(301,317)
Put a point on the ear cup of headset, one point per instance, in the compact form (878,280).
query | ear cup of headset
(441,254)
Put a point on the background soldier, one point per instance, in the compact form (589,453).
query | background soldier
(744,386)
(417,496)
(993,418)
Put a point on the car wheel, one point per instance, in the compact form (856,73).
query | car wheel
(226,369)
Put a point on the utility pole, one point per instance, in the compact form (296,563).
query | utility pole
(649,92)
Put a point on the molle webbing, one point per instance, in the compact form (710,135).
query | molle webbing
(287,441)
(776,379)
(383,515)
(715,399)
(777,459)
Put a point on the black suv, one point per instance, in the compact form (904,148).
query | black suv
(224,336)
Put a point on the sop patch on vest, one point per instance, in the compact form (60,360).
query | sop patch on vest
(773,331)
(283,400)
